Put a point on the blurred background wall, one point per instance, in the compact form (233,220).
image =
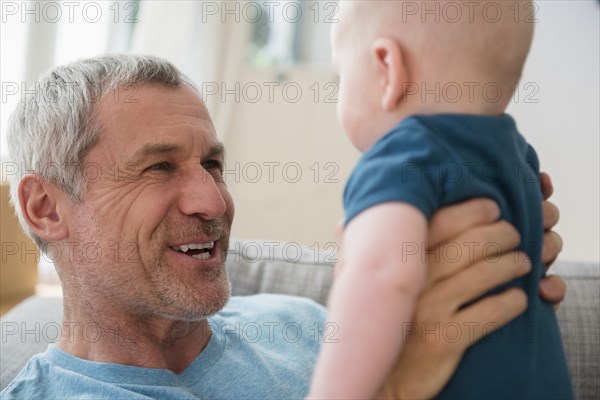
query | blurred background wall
(264,71)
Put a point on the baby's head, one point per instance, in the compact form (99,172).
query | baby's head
(397,58)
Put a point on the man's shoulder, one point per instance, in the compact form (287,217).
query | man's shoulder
(30,381)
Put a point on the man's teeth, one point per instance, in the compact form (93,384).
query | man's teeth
(195,246)
(201,256)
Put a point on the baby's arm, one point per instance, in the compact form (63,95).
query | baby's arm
(384,253)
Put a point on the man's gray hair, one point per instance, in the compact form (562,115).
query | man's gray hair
(51,131)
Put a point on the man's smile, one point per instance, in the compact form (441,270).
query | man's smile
(199,251)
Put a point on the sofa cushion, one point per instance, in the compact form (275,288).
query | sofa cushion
(579,321)
(27,330)
(274,267)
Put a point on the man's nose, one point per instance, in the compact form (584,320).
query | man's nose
(200,195)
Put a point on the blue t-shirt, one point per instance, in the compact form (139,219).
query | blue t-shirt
(262,347)
(434,161)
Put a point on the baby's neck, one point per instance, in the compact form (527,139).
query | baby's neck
(453,97)
(440,106)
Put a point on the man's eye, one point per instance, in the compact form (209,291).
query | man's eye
(213,165)
(161,166)
(214,168)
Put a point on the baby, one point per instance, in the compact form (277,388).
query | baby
(423,97)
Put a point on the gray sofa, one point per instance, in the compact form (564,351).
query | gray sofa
(267,266)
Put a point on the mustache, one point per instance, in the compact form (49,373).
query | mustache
(214,229)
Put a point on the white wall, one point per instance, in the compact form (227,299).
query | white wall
(563,126)
(290,137)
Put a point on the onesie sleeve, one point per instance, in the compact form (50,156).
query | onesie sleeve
(406,165)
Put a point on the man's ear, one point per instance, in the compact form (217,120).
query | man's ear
(38,199)
(392,71)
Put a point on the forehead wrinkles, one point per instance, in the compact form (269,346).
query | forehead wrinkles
(150,96)
(177,105)
(179,108)
(151,109)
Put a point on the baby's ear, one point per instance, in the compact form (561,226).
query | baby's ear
(392,71)
(39,199)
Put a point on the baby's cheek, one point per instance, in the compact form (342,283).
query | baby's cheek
(345,120)
(340,113)
(344,114)
(348,113)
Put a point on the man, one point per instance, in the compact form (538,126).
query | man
(136,180)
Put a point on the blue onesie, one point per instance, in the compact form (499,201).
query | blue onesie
(434,161)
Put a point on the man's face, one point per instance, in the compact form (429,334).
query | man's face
(160,213)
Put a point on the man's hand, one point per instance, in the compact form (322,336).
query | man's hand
(552,288)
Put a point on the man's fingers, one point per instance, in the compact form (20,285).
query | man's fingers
(551,247)
(550,213)
(552,241)
(450,221)
(489,314)
(553,289)
(546,185)
(475,281)
(485,242)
